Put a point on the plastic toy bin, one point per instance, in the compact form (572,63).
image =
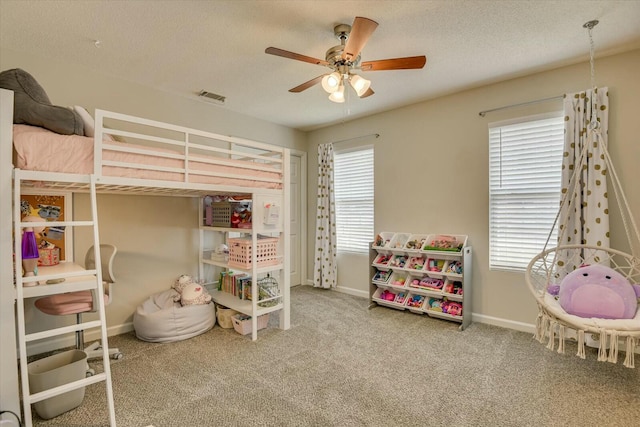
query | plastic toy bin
(54,371)
(219,214)
(240,251)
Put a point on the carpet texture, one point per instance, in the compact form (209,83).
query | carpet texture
(342,364)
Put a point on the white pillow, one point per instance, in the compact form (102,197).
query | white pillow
(89,123)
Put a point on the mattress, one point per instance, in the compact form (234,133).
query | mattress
(39,149)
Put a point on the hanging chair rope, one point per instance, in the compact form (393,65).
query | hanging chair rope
(545,269)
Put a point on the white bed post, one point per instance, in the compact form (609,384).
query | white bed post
(9,392)
(285,318)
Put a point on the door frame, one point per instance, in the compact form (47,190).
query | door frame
(303,212)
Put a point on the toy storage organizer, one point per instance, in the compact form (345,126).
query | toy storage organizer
(422,273)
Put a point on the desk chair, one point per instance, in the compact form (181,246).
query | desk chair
(82,301)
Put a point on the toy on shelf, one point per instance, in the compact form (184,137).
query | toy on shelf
(380,241)
(415,244)
(398,261)
(444,243)
(435,265)
(453,288)
(382,259)
(452,307)
(398,280)
(388,296)
(415,263)
(381,276)
(435,304)
(431,283)
(454,267)
(415,301)
(400,298)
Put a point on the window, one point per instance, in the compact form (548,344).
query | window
(525,165)
(353,183)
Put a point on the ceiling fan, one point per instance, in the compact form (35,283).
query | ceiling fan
(345,57)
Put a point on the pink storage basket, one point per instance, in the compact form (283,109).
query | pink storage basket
(240,252)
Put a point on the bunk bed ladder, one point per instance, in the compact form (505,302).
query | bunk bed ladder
(83,280)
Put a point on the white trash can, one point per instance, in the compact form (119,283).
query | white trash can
(54,371)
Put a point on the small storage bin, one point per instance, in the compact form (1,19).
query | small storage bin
(242,323)
(240,254)
(398,241)
(221,214)
(383,240)
(382,261)
(49,257)
(445,242)
(415,242)
(224,316)
(381,277)
(54,371)
(398,279)
(415,263)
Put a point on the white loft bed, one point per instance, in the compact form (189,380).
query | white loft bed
(154,159)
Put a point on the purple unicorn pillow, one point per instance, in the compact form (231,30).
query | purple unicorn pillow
(597,291)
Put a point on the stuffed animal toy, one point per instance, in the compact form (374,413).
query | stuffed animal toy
(189,292)
(195,294)
(181,283)
(597,291)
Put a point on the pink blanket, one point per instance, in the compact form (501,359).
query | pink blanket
(41,150)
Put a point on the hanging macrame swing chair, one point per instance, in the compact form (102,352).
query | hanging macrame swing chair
(550,266)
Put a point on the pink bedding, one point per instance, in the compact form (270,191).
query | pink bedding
(41,150)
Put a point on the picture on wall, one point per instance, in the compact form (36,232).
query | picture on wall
(47,207)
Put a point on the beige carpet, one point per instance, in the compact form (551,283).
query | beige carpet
(341,364)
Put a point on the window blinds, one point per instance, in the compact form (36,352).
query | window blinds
(353,184)
(525,165)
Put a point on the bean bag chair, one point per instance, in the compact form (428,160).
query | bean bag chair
(161,319)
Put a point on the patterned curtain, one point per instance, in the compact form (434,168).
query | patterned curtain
(584,215)
(325,272)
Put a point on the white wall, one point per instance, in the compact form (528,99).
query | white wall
(155,236)
(431,170)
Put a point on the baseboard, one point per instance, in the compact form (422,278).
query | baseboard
(503,323)
(53,344)
(351,291)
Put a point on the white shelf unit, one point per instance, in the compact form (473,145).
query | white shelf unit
(401,277)
(210,269)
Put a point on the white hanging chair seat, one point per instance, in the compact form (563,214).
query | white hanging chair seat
(544,270)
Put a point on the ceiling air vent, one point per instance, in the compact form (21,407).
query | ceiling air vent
(212,97)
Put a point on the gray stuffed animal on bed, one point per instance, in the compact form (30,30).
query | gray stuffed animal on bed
(31,105)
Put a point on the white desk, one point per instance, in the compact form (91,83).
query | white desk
(76,279)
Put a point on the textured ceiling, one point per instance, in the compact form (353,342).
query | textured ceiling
(185,46)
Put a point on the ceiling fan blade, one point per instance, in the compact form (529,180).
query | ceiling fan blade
(408,63)
(291,55)
(361,30)
(307,85)
(369,92)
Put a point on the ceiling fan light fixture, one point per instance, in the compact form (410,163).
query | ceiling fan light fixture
(331,82)
(359,84)
(338,95)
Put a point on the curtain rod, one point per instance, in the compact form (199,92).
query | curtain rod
(553,98)
(377,135)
